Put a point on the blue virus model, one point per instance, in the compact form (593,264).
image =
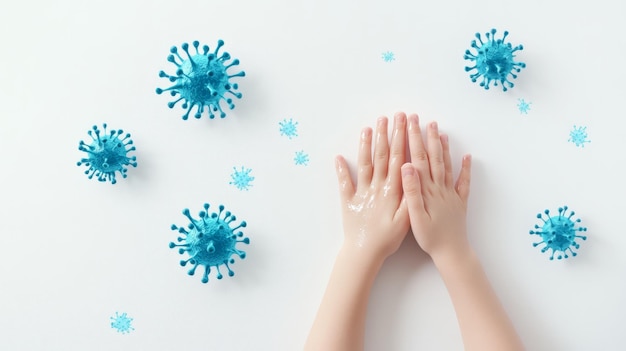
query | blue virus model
(288,128)
(107,154)
(558,233)
(122,323)
(210,241)
(241,178)
(578,136)
(388,56)
(301,158)
(523,106)
(201,80)
(493,60)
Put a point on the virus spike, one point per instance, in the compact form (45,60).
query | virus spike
(558,233)
(494,61)
(201,80)
(107,154)
(210,241)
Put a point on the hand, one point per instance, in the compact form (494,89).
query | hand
(375,217)
(437,208)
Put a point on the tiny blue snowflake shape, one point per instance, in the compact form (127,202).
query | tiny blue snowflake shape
(523,106)
(241,178)
(301,158)
(288,128)
(122,323)
(388,56)
(578,136)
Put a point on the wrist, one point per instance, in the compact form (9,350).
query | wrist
(453,259)
(360,257)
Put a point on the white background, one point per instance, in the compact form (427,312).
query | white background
(74,251)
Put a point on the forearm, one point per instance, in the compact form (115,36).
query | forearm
(340,321)
(484,323)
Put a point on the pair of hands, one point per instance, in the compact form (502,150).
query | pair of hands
(390,194)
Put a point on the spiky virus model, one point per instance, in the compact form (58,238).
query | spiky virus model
(493,60)
(107,154)
(122,323)
(202,80)
(578,136)
(210,241)
(559,233)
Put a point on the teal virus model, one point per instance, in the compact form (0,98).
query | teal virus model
(559,233)
(288,128)
(210,241)
(523,106)
(107,153)
(122,323)
(493,60)
(202,80)
(578,136)
(388,56)
(301,158)
(241,178)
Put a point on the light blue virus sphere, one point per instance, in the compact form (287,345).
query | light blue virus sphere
(559,233)
(210,241)
(493,61)
(107,153)
(202,80)
(122,323)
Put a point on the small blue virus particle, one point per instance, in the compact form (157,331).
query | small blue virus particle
(301,158)
(388,56)
(241,178)
(558,233)
(578,136)
(288,128)
(122,323)
(107,154)
(210,241)
(493,61)
(201,80)
(523,106)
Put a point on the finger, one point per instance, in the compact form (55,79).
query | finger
(402,213)
(381,150)
(364,161)
(412,191)
(463,182)
(447,161)
(397,154)
(435,154)
(346,187)
(419,157)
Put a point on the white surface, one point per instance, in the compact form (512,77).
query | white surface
(75,251)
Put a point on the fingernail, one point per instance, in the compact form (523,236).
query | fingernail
(433,125)
(407,170)
(444,137)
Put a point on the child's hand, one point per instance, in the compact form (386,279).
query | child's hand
(436,206)
(375,217)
